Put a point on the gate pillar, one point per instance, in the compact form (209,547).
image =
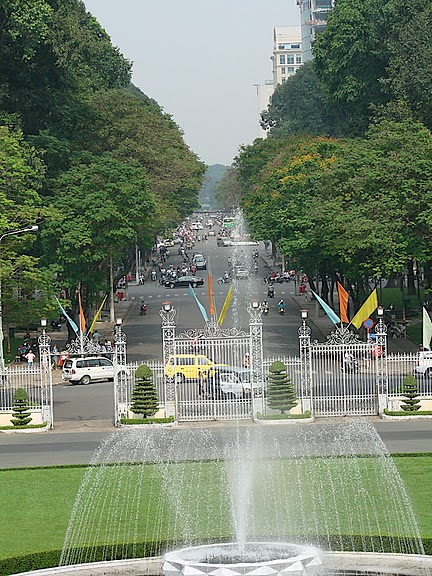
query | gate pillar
(381,361)
(45,367)
(304,333)
(256,356)
(120,376)
(168,313)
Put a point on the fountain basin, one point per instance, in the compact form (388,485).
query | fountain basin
(256,559)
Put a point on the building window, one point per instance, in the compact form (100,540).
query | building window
(283,79)
(298,58)
(290,59)
(283,70)
(281,58)
(291,70)
(295,46)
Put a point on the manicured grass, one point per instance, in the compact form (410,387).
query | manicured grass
(36,504)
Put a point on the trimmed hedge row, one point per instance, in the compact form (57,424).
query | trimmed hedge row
(133,421)
(51,558)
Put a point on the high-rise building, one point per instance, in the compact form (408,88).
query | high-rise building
(287,52)
(313,19)
(286,58)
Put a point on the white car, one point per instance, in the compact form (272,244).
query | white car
(86,370)
(424,366)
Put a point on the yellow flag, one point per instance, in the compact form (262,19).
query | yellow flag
(97,314)
(366,310)
(225,306)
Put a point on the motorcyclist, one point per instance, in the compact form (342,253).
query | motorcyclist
(226,276)
(265,307)
(281,305)
(270,291)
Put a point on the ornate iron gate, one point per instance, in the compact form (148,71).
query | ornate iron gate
(345,376)
(213,373)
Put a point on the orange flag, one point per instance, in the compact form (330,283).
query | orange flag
(210,292)
(82,321)
(343,303)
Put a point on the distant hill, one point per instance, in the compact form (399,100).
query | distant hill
(212,176)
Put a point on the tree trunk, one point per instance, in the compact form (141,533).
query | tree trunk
(111,271)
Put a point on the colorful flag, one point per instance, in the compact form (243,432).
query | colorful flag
(366,310)
(81,312)
(225,306)
(332,315)
(343,303)
(97,314)
(200,306)
(210,292)
(427,329)
(71,322)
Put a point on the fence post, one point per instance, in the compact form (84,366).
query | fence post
(120,376)
(168,313)
(381,362)
(45,368)
(256,357)
(304,333)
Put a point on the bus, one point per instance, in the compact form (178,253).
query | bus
(228,222)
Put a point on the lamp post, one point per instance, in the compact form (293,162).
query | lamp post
(13,232)
(256,357)
(304,333)
(46,374)
(168,314)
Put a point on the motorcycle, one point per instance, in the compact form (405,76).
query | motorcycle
(270,291)
(397,330)
(281,310)
(143,309)
(56,325)
(153,275)
(224,280)
(265,308)
(350,366)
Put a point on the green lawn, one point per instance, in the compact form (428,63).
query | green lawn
(36,504)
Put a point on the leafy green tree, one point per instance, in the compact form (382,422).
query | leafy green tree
(21,415)
(228,189)
(144,395)
(300,106)
(351,57)
(280,392)
(410,393)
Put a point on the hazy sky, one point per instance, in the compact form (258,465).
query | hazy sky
(200,59)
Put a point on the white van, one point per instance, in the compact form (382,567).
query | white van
(86,370)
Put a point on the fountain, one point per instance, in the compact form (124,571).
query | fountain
(249,500)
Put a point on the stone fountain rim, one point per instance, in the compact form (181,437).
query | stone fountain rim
(305,551)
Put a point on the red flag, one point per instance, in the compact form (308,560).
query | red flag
(82,321)
(210,292)
(343,303)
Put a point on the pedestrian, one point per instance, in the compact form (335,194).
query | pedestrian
(55,357)
(96,337)
(30,358)
(63,357)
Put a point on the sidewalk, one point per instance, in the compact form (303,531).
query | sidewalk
(321,321)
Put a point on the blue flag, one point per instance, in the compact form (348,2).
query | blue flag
(332,315)
(71,322)
(200,306)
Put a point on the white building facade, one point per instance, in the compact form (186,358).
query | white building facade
(313,19)
(286,58)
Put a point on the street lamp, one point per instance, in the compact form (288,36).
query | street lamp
(13,232)
(304,314)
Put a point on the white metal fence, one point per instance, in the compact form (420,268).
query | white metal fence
(20,377)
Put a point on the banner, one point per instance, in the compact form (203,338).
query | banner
(427,329)
(332,315)
(97,314)
(210,293)
(81,312)
(225,306)
(366,310)
(71,322)
(343,303)
(200,306)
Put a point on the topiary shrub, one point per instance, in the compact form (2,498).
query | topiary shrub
(280,392)
(144,395)
(21,415)
(410,394)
